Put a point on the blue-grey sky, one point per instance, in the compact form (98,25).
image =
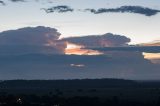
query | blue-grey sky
(138,27)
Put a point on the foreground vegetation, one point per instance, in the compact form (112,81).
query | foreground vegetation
(87,92)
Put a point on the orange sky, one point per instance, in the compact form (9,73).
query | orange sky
(151,55)
(78,50)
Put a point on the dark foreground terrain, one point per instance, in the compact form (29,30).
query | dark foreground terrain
(86,92)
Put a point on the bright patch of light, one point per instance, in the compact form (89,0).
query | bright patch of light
(77,65)
(79,50)
(151,55)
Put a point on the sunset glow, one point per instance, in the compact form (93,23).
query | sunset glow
(79,50)
(151,55)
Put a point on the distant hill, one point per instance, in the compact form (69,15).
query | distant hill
(75,83)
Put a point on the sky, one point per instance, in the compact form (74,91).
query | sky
(138,27)
(70,39)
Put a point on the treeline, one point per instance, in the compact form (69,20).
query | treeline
(54,100)
(85,92)
(76,83)
(79,83)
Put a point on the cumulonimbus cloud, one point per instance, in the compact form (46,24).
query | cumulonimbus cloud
(59,9)
(126,9)
(31,40)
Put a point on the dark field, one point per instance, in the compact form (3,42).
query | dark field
(86,92)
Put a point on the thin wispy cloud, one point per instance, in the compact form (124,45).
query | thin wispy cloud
(59,9)
(2,2)
(123,9)
(17,0)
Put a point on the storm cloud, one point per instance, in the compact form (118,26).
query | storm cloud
(59,9)
(31,40)
(38,53)
(106,40)
(126,9)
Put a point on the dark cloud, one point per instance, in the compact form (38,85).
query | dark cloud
(31,40)
(123,9)
(29,35)
(2,2)
(127,9)
(59,9)
(105,40)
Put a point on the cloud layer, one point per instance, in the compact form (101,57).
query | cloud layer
(106,40)
(128,65)
(149,49)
